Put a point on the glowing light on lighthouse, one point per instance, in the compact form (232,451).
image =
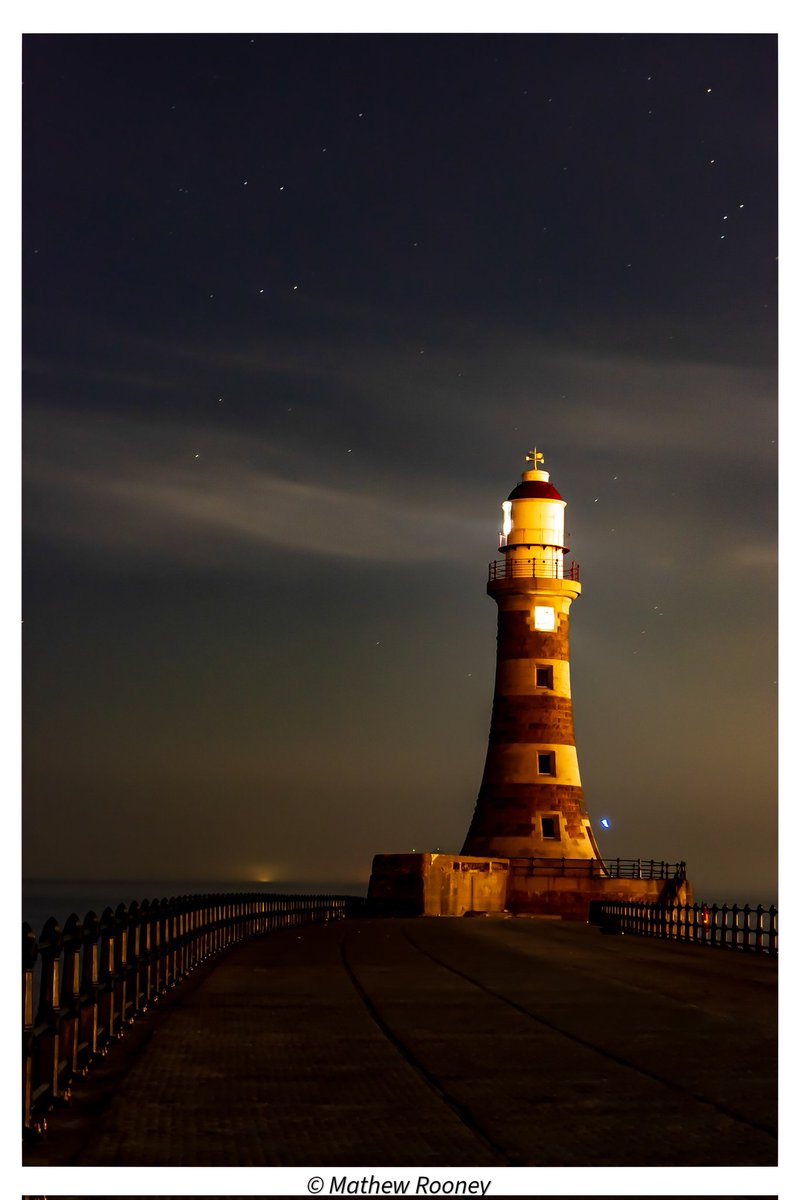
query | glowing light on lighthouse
(544,617)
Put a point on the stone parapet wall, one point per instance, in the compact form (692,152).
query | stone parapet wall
(571,897)
(441,885)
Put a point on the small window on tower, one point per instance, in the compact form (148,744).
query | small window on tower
(550,828)
(544,677)
(547,762)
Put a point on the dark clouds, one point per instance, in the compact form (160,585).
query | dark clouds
(258,519)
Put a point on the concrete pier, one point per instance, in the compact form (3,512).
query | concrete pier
(442,1042)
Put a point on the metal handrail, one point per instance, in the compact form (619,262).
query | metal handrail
(612,868)
(98,975)
(729,927)
(532,568)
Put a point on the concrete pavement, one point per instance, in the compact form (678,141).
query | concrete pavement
(444,1042)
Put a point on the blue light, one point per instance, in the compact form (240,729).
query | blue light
(604,821)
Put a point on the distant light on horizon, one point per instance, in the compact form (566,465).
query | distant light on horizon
(262,874)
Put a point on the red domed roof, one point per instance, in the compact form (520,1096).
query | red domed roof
(534,489)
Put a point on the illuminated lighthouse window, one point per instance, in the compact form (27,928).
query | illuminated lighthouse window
(544,617)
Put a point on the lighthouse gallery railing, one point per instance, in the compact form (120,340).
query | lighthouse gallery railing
(532,568)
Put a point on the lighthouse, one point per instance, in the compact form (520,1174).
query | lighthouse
(530,803)
(530,848)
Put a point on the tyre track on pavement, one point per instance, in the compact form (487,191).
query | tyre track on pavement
(587,1043)
(460,1110)
(388,1018)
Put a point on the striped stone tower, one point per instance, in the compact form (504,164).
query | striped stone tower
(530,802)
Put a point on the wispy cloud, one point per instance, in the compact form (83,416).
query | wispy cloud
(140,489)
(408,470)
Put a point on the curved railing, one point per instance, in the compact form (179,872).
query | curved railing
(726,927)
(98,975)
(532,568)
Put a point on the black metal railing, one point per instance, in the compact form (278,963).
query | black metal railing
(98,975)
(596,868)
(726,927)
(532,568)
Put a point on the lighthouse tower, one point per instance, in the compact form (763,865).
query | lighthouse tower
(530,848)
(530,803)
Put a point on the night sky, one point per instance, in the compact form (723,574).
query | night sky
(295,307)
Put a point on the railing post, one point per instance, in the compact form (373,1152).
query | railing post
(156,971)
(173,946)
(137,967)
(89,984)
(759,929)
(107,1015)
(71,993)
(48,1014)
(120,985)
(181,919)
(29,953)
(190,926)
(149,928)
(201,932)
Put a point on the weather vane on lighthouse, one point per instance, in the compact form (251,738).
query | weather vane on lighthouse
(535,456)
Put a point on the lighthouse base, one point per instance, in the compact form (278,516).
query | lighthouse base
(451,885)
(436,885)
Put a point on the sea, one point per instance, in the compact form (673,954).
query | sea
(59,898)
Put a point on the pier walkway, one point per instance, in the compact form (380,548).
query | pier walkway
(441,1042)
